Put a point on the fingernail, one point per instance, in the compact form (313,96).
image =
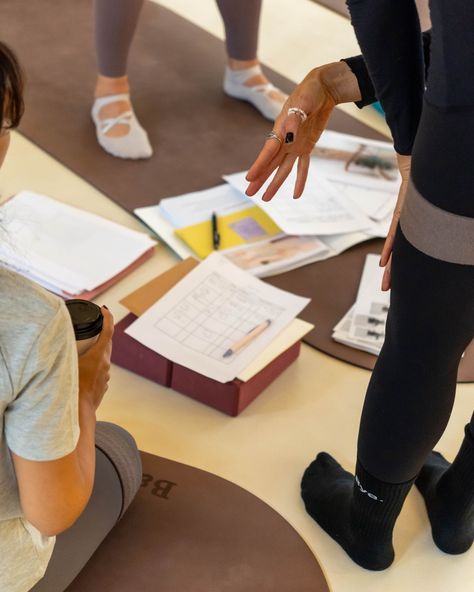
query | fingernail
(289,138)
(106,307)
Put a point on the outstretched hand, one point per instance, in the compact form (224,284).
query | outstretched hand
(294,139)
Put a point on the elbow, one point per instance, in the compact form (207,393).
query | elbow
(53,519)
(52,526)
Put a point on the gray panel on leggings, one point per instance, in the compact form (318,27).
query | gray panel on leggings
(436,232)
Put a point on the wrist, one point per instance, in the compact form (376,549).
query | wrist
(340,82)
(87,412)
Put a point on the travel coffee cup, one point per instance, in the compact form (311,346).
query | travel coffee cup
(87,320)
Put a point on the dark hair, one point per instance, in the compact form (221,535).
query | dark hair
(11,89)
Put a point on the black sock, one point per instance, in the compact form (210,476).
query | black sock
(359,513)
(448,491)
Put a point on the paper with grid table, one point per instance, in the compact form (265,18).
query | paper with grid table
(208,311)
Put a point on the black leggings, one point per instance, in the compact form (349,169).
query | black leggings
(412,388)
(431,317)
(116,21)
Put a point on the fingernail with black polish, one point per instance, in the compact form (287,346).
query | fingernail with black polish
(105,307)
(289,138)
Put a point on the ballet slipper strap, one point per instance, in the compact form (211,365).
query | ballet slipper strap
(102,101)
(123,119)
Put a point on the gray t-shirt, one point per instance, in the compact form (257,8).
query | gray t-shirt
(38,413)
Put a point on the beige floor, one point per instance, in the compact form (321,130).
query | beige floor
(314,406)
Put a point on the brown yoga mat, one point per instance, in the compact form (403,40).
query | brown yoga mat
(198,132)
(189,530)
(176,70)
(332,286)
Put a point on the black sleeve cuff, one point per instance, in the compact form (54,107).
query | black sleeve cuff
(359,69)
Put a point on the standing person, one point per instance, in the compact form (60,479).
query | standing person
(118,130)
(61,473)
(429,265)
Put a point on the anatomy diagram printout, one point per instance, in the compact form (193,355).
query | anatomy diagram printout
(209,311)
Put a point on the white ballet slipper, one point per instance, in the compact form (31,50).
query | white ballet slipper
(134,144)
(259,95)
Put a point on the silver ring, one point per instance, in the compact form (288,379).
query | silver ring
(274,136)
(299,112)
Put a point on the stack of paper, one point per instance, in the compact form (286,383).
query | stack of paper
(209,312)
(349,197)
(363,326)
(66,250)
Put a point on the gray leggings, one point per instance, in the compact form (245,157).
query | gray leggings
(117,479)
(116,21)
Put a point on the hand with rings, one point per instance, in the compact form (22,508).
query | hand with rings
(299,126)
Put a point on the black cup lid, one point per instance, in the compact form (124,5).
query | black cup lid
(87,318)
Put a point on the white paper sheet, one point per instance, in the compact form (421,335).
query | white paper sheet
(320,211)
(295,331)
(341,334)
(208,311)
(363,170)
(371,307)
(277,254)
(196,207)
(154,219)
(70,247)
(374,202)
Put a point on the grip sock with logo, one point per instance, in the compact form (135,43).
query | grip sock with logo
(448,491)
(359,512)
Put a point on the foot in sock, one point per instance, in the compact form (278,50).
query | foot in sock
(358,513)
(118,130)
(448,491)
(250,84)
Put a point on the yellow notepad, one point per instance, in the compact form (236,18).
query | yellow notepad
(242,227)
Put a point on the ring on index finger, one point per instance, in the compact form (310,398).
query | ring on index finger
(297,111)
(274,136)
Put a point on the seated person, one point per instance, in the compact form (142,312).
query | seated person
(61,473)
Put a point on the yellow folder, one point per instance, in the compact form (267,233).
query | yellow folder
(245,226)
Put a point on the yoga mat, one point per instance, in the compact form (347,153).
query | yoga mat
(189,530)
(197,131)
(176,70)
(332,286)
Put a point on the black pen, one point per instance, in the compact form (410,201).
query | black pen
(216,237)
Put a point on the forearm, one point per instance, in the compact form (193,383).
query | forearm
(85,451)
(359,69)
(54,493)
(75,487)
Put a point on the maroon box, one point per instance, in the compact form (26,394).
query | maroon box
(230,397)
(132,355)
